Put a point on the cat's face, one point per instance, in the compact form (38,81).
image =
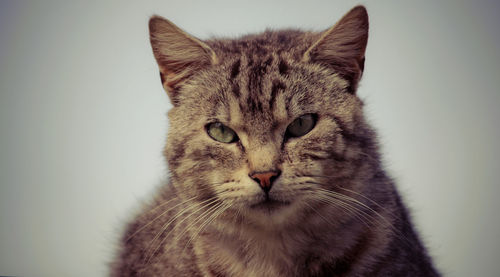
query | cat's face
(257,124)
(260,121)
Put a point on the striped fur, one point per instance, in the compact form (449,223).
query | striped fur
(339,214)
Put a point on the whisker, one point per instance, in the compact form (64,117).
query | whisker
(384,219)
(367,198)
(322,217)
(200,217)
(164,212)
(328,200)
(171,208)
(353,199)
(220,208)
(200,206)
(161,205)
(359,214)
(348,198)
(160,215)
(166,225)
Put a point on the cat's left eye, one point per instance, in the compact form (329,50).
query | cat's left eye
(301,126)
(221,132)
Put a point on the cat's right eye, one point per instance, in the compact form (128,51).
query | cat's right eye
(221,132)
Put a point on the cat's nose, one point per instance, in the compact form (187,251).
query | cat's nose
(265,179)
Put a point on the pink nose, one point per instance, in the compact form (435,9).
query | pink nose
(265,179)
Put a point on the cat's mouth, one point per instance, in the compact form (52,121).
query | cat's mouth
(270,205)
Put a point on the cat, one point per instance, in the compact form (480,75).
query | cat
(274,169)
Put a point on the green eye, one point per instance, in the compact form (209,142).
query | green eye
(222,133)
(301,126)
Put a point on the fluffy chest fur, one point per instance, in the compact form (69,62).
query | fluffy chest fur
(290,253)
(274,170)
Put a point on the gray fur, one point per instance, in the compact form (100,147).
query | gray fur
(339,213)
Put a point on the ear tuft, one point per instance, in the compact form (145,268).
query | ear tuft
(177,53)
(342,47)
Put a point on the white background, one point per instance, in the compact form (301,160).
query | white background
(83,120)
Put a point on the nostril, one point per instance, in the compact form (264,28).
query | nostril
(277,174)
(265,179)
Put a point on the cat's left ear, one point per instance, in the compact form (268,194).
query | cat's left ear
(178,54)
(342,47)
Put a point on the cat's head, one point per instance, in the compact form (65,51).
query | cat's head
(267,124)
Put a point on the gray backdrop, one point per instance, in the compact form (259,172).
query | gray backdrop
(82,119)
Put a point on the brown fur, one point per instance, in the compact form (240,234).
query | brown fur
(338,213)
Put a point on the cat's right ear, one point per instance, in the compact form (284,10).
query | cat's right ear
(178,54)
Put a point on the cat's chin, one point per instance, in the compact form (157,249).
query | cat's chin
(270,205)
(272,213)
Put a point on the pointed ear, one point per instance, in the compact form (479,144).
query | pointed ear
(342,47)
(178,54)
